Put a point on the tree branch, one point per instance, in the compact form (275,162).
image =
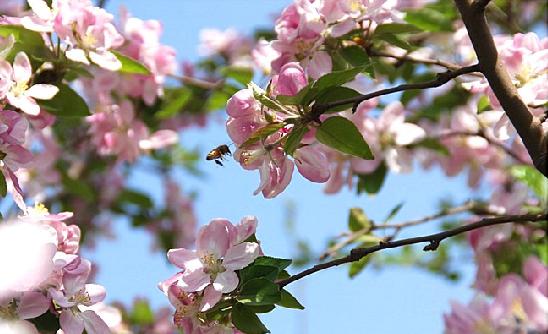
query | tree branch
(442,78)
(528,127)
(433,241)
(413,59)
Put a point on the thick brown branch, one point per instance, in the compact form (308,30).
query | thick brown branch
(442,78)
(528,127)
(433,241)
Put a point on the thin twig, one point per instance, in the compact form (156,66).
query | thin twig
(433,241)
(468,206)
(442,78)
(414,59)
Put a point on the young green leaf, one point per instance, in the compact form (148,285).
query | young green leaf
(262,133)
(532,178)
(338,78)
(130,65)
(396,28)
(372,183)
(177,101)
(3,186)
(272,261)
(336,94)
(28,41)
(341,134)
(357,220)
(259,291)
(288,301)
(241,74)
(246,320)
(294,139)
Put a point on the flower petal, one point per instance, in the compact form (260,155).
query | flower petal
(180,256)
(93,323)
(239,256)
(211,297)
(70,323)
(226,281)
(21,68)
(42,91)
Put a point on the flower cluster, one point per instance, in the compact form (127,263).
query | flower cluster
(46,274)
(209,273)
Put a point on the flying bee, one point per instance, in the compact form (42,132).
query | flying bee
(218,153)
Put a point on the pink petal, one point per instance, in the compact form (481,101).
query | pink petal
(32,304)
(180,256)
(245,229)
(211,297)
(214,238)
(226,281)
(164,285)
(96,293)
(195,280)
(42,91)
(159,139)
(239,256)
(70,324)
(93,323)
(407,133)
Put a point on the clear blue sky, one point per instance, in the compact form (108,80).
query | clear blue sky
(395,300)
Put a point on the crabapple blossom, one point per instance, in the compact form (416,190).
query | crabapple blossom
(210,268)
(20,94)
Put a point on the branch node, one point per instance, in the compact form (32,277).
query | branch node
(432,246)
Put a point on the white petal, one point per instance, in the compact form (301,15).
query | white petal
(226,281)
(77,55)
(239,256)
(21,68)
(42,91)
(106,60)
(407,133)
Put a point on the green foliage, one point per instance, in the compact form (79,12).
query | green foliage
(358,266)
(338,78)
(28,41)
(141,314)
(395,210)
(174,102)
(66,103)
(432,144)
(533,179)
(263,133)
(288,301)
(294,138)
(246,320)
(358,221)
(3,185)
(435,17)
(341,134)
(259,291)
(336,94)
(396,28)
(130,65)
(372,183)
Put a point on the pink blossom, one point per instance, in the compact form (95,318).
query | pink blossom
(211,267)
(20,95)
(290,80)
(312,163)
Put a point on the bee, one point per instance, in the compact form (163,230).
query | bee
(217,154)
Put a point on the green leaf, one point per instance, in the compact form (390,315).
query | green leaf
(532,178)
(294,138)
(394,40)
(178,99)
(263,133)
(135,197)
(79,188)
(336,94)
(433,18)
(66,103)
(341,134)
(483,104)
(396,28)
(28,41)
(372,183)
(357,266)
(260,95)
(357,220)
(355,55)
(246,320)
(142,313)
(272,261)
(130,65)
(393,212)
(3,185)
(258,271)
(241,74)
(259,291)
(217,101)
(338,78)
(303,97)
(288,301)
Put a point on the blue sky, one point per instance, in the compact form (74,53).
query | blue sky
(394,300)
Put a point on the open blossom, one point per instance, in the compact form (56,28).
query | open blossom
(19,93)
(220,250)
(89,33)
(387,137)
(74,293)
